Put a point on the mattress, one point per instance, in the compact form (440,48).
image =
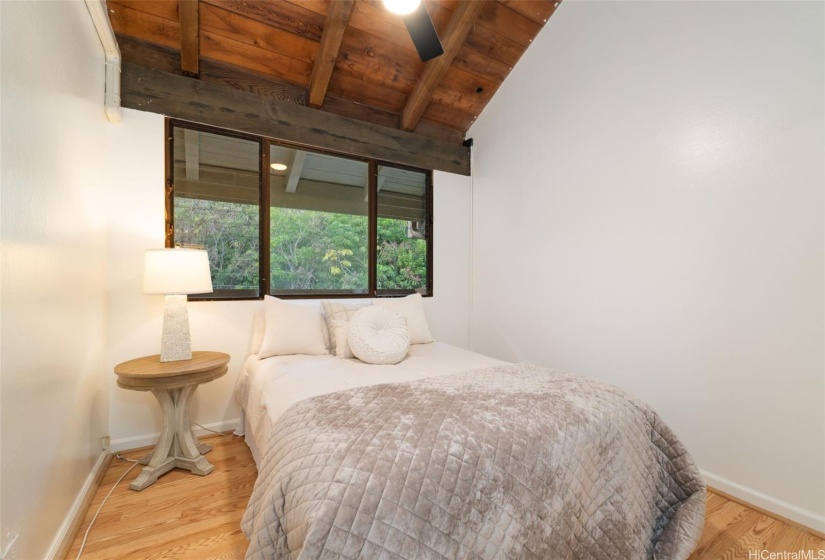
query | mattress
(268,387)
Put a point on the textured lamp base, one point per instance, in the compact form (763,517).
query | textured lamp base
(175,344)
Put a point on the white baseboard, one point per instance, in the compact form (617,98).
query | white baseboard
(65,536)
(134,442)
(769,503)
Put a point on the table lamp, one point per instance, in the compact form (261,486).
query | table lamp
(176,273)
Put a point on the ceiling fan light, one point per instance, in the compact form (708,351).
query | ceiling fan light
(402,7)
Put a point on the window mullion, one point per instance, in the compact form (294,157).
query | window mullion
(265,206)
(430,233)
(169,193)
(372,227)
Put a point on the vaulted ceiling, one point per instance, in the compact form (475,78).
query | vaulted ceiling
(348,57)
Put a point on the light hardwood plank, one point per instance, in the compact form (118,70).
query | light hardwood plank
(735,531)
(187,516)
(180,516)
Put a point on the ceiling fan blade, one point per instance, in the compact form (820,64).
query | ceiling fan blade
(423,34)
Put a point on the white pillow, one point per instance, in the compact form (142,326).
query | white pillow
(340,329)
(292,328)
(412,308)
(335,311)
(378,335)
(258,331)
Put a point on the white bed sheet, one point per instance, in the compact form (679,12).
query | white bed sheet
(268,387)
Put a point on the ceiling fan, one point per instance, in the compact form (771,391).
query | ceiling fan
(419,25)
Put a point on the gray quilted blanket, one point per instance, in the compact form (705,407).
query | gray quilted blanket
(514,461)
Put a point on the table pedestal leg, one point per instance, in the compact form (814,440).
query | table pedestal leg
(177,445)
(203,448)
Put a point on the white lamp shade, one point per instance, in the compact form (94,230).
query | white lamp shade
(176,271)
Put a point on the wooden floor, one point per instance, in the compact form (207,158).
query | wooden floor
(187,516)
(180,516)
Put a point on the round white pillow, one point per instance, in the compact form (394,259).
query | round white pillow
(378,335)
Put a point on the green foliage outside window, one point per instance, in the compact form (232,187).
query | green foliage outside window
(309,250)
(402,261)
(229,233)
(312,250)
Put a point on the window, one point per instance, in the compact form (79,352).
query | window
(291,221)
(318,223)
(403,224)
(216,181)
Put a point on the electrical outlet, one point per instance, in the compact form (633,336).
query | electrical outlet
(105,443)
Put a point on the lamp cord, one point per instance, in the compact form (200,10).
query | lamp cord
(86,535)
(135,463)
(208,430)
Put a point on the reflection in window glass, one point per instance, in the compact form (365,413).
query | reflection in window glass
(402,230)
(318,223)
(216,206)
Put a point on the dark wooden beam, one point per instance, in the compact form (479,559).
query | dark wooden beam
(189,37)
(185,98)
(337,21)
(168,60)
(458,28)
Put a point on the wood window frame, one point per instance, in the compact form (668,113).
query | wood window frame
(264,202)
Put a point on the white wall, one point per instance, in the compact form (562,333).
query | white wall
(53,394)
(134,320)
(648,210)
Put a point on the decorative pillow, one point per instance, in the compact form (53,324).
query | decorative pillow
(412,308)
(334,311)
(292,328)
(258,331)
(341,330)
(378,335)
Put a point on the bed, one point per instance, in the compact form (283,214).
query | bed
(452,454)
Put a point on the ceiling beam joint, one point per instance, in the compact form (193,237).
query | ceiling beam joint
(460,25)
(338,17)
(189,37)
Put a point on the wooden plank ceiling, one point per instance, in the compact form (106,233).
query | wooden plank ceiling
(352,58)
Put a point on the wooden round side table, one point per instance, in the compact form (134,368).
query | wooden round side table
(173,384)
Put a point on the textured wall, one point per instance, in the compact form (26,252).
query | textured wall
(649,189)
(53,394)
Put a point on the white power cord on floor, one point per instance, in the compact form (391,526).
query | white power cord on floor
(91,524)
(208,430)
(86,535)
